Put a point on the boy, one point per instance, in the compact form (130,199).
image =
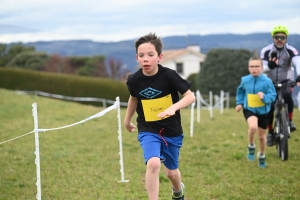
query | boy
(255,94)
(154,96)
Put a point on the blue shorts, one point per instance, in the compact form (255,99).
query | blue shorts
(165,148)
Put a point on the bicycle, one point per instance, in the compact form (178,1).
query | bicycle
(281,125)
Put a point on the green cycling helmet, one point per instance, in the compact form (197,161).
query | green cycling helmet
(280,29)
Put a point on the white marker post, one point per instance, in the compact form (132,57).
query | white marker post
(37,152)
(120,141)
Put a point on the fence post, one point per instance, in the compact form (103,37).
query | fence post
(222,102)
(192,120)
(198,98)
(211,104)
(120,141)
(37,152)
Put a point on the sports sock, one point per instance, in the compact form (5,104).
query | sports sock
(177,193)
(251,145)
(262,155)
(290,116)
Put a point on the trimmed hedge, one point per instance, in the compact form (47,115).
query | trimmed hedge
(67,85)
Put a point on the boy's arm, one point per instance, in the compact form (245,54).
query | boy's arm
(240,95)
(131,107)
(188,99)
(270,95)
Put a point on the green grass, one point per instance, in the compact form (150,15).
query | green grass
(82,162)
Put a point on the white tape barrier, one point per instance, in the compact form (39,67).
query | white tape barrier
(100,114)
(16,137)
(209,105)
(82,121)
(68,98)
(36,130)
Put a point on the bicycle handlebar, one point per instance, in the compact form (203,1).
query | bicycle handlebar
(284,83)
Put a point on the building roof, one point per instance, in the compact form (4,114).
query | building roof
(175,53)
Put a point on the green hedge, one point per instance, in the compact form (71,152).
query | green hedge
(67,85)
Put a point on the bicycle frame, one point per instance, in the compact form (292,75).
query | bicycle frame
(281,125)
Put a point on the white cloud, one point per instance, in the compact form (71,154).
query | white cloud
(116,20)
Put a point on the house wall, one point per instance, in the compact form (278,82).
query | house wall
(191,64)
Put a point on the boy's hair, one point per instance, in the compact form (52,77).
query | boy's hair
(150,38)
(256,58)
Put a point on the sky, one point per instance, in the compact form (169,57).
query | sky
(118,20)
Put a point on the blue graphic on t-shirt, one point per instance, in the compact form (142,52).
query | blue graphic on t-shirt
(150,93)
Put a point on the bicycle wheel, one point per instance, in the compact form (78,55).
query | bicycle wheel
(284,134)
(277,137)
(278,147)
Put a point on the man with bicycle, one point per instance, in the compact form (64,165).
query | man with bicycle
(278,58)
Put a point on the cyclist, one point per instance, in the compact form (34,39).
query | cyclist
(278,58)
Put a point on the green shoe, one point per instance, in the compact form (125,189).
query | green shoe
(181,197)
(251,153)
(261,160)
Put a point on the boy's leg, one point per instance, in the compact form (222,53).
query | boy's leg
(262,129)
(252,124)
(151,145)
(252,129)
(152,177)
(262,140)
(262,147)
(175,177)
(171,153)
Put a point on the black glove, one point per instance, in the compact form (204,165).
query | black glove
(272,64)
(298,79)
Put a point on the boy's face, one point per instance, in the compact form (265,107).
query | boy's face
(255,67)
(148,58)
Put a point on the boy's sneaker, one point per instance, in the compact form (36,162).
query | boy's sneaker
(251,153)
(181,197)
(261,160)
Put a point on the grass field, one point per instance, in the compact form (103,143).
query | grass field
(82,162)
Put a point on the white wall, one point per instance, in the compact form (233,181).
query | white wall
(191,64)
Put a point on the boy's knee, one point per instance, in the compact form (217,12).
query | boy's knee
(153,164)
(253,128)
(171,173)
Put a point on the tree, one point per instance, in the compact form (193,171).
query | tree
(2,54)
(222,70)
(15,49)
(117,71)
(29,60)
(192,78)
(89,66)
(58,64)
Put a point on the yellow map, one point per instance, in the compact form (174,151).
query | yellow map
(254,101)
(152,107)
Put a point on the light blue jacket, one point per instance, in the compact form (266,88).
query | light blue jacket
(252,85)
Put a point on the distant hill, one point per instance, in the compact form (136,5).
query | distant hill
(124,51)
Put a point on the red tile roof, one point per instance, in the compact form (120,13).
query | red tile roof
(173,53)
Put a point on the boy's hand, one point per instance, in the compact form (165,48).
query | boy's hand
(168,112)
(261,95)
(238,108)
(130,127)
